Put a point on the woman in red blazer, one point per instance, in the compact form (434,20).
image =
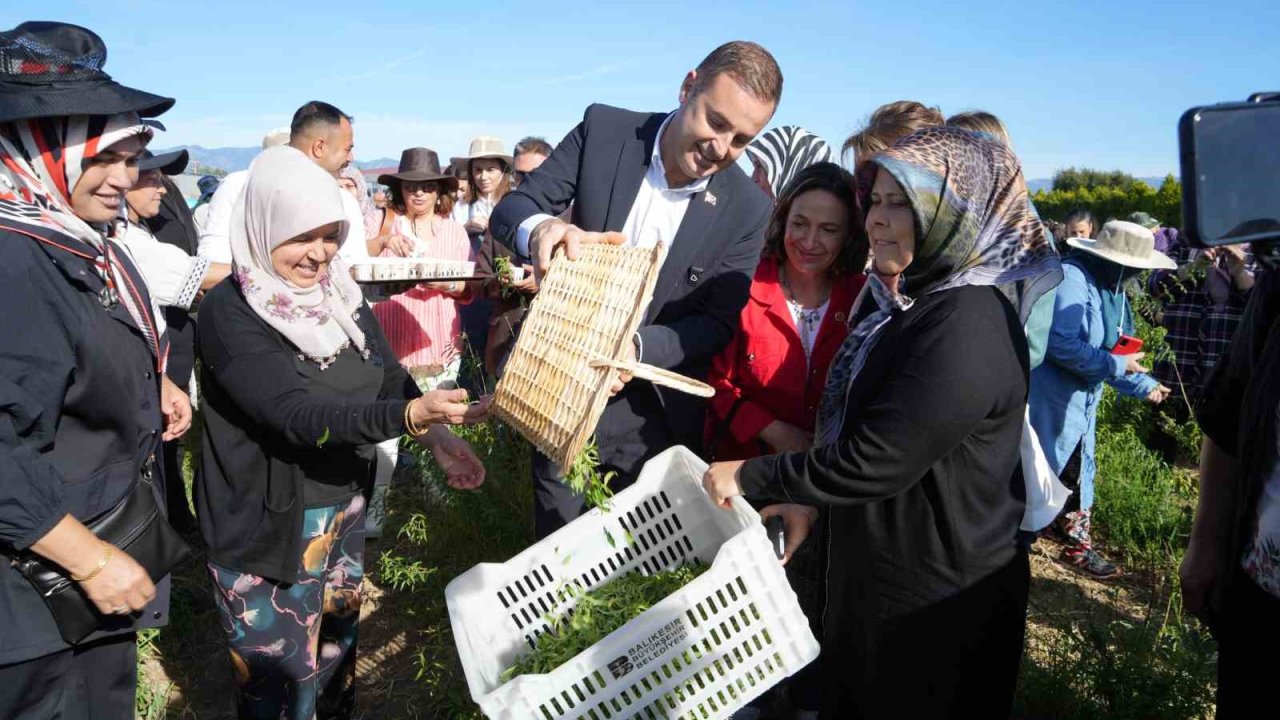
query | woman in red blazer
(769,379)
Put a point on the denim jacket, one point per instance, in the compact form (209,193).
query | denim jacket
(1066,388)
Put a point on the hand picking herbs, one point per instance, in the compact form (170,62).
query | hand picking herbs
(598,613)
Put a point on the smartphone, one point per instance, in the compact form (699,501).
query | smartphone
(1230,163)
(1127,345)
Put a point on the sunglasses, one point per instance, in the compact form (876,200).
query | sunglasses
(429,186)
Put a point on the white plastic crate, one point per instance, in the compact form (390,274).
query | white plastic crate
(702,653)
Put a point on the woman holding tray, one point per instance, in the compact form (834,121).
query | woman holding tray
(916,450)
(769,379)
(299,384)
(423,324)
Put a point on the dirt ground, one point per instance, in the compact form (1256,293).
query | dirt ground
(190,660)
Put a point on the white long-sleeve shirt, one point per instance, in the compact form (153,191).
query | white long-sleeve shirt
(215,238)
(173,277)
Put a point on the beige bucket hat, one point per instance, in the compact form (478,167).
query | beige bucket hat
(1126,243)
(486,146)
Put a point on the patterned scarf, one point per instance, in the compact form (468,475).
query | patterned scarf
(288,195)
(784,151)
(41,160)
(974,226)
(852,355)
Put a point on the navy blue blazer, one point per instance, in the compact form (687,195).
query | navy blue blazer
(701,289)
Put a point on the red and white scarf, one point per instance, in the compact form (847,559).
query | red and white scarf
(41,161)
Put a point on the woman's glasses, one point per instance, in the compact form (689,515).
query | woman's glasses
(429,186)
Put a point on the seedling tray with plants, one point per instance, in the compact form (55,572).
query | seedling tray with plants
(718,639)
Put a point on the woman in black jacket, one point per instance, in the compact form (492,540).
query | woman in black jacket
(917,446)
(83,406)
(299,384)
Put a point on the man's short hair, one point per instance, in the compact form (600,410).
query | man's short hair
(890,123)
(314,115)
(748,63)
(532,144)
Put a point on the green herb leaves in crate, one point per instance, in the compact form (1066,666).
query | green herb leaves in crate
(598,613)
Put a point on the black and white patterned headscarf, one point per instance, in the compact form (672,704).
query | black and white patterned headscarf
(782,152)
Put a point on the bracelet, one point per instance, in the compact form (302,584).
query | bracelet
(413,430)
(107,553)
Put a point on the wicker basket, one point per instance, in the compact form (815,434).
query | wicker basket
(574,339)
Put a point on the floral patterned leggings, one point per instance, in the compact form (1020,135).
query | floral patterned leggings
(293,646)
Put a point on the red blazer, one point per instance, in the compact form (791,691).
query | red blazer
(764,365)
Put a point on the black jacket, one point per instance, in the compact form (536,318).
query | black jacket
(1240,410)
(924,485)
(79,413)
(273,425)
(703,284)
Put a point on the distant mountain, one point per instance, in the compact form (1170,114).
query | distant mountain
(229,159)
(379,163)
(1046,184)
(232,159)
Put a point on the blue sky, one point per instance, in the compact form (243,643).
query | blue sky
(1097,84)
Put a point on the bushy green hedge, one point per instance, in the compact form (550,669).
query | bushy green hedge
(1108,202)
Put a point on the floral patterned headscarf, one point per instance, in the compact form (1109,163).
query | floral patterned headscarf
(288,195)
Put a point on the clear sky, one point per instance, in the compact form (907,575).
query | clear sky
(1097,84)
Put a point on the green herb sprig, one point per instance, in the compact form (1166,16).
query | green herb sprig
(585,478)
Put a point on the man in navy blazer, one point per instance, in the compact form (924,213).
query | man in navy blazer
(639,178)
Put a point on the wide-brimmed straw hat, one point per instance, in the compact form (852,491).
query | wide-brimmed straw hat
(1126,243)
(419,165)
(487,147)
(52,69)
(170,163)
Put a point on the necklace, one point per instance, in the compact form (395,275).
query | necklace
(413,224)
(807,319)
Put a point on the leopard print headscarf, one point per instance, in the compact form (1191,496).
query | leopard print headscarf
(974,226)
(974,221)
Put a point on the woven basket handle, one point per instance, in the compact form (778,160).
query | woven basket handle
(658,376)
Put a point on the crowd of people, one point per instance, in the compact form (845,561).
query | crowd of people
(886,346)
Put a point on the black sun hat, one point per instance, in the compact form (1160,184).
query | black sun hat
(169,163)
(52,69)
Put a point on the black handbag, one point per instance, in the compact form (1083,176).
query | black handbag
(135,526)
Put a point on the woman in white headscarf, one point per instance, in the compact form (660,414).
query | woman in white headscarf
(300,384)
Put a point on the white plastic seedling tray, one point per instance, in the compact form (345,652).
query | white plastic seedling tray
(702,653)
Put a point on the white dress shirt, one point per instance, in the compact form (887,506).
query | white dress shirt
(656,213)
(215,237)
(354,248)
